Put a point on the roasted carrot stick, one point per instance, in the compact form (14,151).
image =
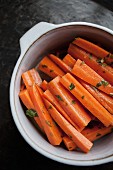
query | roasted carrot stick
(69,60)
(96,64)
(24,96)
(49,96)
(60,63)
(87,99)
(30,77)
(69,103)
(70,145)
(91,47)
(103,98)
(39,90)
(87,74)
(96,132)
(82,142)
(47,66)
(44,85)
(51,130)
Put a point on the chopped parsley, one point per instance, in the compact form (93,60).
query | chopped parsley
(103,82)
(50,107)
(59,97)
(31,113)
(44,66)
(73,102)
(110,55)
(48,123)
(90,56)
(98,84)
(72,86)
(83,62)
(104,64)
(70,136)
(82,97)
(98,134)
(101,61)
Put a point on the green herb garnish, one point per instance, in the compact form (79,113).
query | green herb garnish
(44,66)
(83,62)
(82,97)
(90,56)
(70,136)
(98,134)
(104,64)
(59,97)
(98,84)
(100,60)
(31,113)
(48,123)
(110,55)
(50,107)
(103,82)
(73,102)
(72,86)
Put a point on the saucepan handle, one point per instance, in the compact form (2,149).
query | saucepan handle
(33,34)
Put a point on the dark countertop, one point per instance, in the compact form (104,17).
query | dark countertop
(16,17)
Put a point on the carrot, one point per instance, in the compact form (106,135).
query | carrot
(96,64)
(103,98)
(91,47)
(69,60)
(87,99)
(60,63)
(51,130)
(87,74)
(25,98)
(96,132)
(44,85)
(30,77)
(39,90)
(70,145)
(49,96)
(82,142)
(47,66)
(69,103)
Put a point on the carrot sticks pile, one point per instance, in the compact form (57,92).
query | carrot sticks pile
(76,106)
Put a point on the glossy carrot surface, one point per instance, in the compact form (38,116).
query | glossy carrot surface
(87,100)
